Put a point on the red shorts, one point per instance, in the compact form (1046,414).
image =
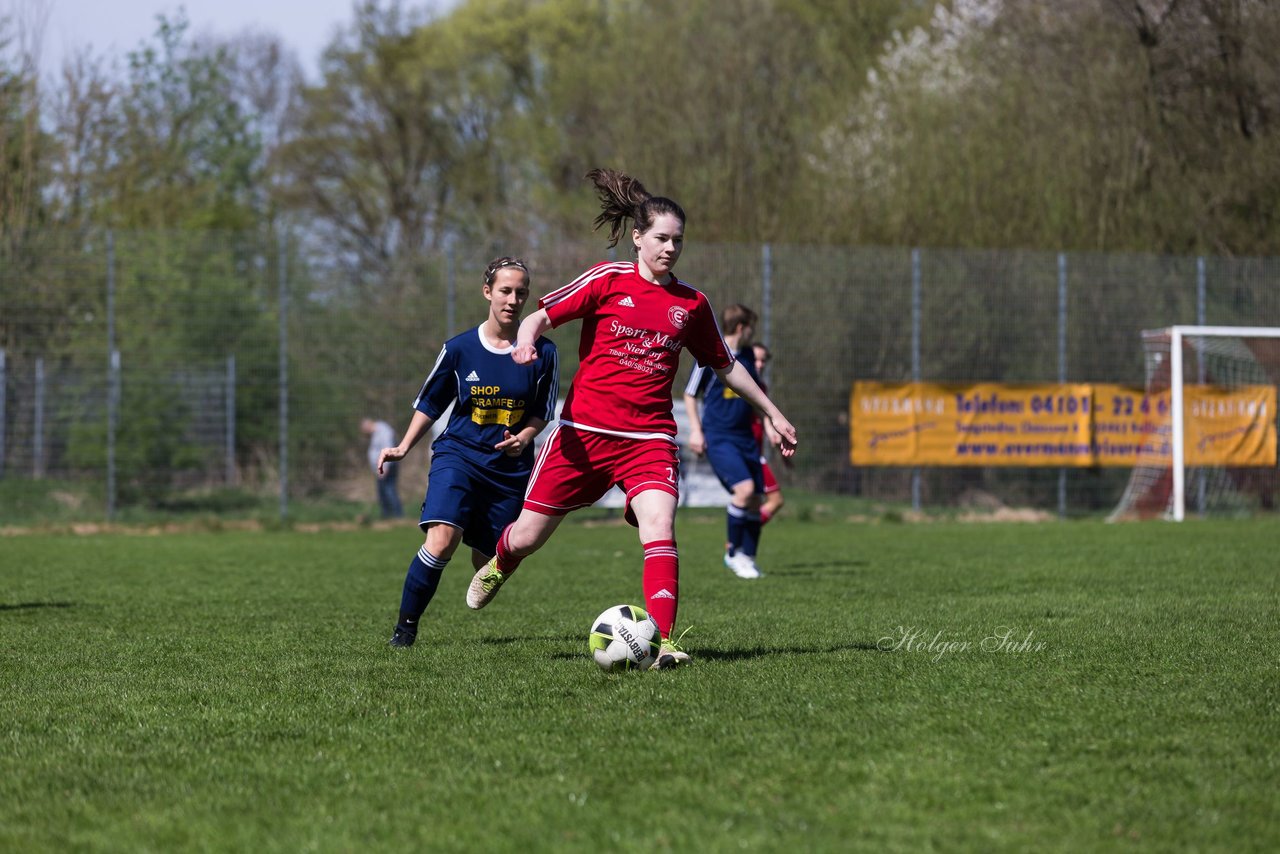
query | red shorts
(770,482)
(575,468)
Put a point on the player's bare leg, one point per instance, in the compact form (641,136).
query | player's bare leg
(528,533)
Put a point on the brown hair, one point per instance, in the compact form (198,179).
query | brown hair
(623,197)
(501,261)
(735,316)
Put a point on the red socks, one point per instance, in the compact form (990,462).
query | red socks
(507,562)
(661,583)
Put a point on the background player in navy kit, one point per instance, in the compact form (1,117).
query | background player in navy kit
(480,464)
(724,432)
(617,427)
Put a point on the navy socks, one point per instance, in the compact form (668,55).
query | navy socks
(420,585)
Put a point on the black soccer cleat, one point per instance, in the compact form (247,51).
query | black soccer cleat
(402,638)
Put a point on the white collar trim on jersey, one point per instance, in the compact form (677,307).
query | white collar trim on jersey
(484,342)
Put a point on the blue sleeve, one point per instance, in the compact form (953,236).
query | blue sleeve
(440,388)
(699,378)
(544,401)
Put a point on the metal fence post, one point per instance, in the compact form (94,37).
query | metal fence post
(284,377)
(113,417)
(37,444)
(231,420)
(1062,367)
(915,356)
(451,291)
(4,394)
(766,295)
(113,376)
(1201,320)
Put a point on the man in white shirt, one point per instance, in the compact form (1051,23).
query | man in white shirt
(381,435)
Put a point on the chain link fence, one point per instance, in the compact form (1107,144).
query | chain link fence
(168,370)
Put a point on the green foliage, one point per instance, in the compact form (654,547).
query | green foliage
(401,145)
(153,694)
(151,445)
(24,501)
(706,127)
(1080,127)
(24,146)
(434,141)
(185,155)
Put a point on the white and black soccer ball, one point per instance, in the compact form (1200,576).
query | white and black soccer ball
(624,637)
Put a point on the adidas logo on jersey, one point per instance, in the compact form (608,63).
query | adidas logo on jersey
(627,302)
(664,593)
(473,377)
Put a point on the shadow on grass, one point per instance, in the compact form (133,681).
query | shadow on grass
(31,606)
(528,638)
(711,654)
(809,568)
(765,651)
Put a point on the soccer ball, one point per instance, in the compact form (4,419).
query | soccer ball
(624,637)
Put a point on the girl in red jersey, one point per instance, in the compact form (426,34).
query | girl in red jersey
(617,426)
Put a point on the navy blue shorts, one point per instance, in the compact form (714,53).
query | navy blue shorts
(457,496)
(735,459)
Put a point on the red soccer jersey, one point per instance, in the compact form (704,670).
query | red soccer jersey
(632,335)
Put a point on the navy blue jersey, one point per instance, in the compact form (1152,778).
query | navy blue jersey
(723,411)
(490,394)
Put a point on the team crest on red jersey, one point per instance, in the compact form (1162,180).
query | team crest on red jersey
(678,316)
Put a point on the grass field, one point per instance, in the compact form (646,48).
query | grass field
(233,691)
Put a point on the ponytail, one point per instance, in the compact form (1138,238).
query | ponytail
(623,197)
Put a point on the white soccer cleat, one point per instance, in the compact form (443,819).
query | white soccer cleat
(743,565)
(670,656)
(485,585)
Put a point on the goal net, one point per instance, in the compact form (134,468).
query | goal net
(1209,442)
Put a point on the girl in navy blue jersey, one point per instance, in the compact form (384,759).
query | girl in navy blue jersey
(480,464)
(724,431)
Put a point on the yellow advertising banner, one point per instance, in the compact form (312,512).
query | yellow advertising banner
(1234,427)
(974,424)
(1081,424)
(1131,426)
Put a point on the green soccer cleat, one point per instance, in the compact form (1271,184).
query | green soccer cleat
(484,585)
(670,656)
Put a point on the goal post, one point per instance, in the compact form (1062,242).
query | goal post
(1216,387)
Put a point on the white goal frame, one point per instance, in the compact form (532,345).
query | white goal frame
(1176,335)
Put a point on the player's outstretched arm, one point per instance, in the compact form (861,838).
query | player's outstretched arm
(739,379)
(418,428)
(531,328)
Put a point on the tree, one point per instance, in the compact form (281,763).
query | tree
(1085,125)
(24,147)
(1214,93)
(400,148)
(715,105)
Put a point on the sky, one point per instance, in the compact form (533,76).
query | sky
(114,27)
